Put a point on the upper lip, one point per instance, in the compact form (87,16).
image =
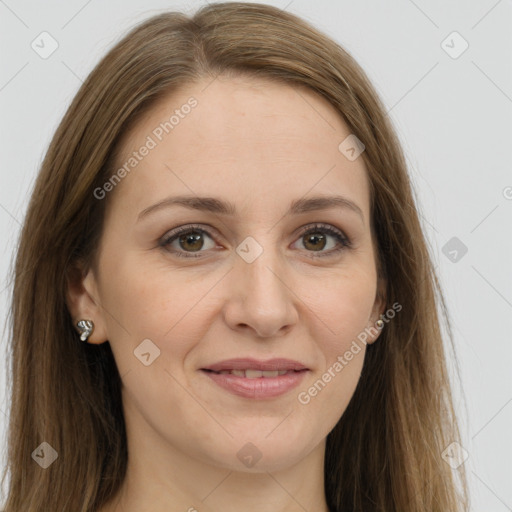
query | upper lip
(255,364)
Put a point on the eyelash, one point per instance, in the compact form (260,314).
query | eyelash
(343,240)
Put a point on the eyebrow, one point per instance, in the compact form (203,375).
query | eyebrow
(218,206)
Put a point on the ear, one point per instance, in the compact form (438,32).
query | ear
(379,307)
(83,303)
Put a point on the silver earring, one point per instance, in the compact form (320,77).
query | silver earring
(85,327)
(379,323)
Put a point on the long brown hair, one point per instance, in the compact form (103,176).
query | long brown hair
(384,454)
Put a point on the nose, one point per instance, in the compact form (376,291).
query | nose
(261,298)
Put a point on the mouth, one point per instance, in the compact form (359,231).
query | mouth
(255,374)
(254,379)
(251,365)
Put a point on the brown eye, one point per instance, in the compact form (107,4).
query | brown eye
(187,240)
(191,241)
(316,239)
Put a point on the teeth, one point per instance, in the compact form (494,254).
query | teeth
(254,374)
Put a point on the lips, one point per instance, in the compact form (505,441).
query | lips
(255,379)
(255,368)
(253,374)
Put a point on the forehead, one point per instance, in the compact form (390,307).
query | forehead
(240,138)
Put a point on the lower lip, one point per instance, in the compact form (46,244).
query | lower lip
(259,388)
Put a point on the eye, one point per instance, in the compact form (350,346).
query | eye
(188,240)
(316,238)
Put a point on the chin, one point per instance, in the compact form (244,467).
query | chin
(260,454)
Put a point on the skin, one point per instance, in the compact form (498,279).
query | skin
(259,145)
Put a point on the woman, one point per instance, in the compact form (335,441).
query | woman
(223,298)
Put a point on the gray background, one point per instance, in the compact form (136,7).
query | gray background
(453,116)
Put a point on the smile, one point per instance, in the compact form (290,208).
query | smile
(253,374)
(255,384)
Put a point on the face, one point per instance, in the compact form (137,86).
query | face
(261,272)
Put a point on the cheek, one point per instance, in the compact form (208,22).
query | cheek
(342,313)
(343,308)
(162,305)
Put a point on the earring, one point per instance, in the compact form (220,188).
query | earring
(379,323)
(85,327)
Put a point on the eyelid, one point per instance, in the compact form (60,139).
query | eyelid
(322,226)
